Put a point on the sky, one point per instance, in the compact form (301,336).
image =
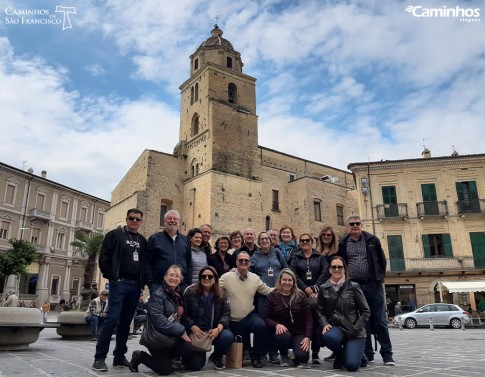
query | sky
(83,93)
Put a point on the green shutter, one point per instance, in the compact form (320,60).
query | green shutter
(459,191)
(426,248)
(428,191)
(396,254)
(389,195)
(477,240)
(447,245)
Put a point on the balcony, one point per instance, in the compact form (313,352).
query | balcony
(84,225)
(461,263)
(392,211)
(432,208)
(39,214)
(470,206)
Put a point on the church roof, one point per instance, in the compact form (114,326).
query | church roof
(216,39)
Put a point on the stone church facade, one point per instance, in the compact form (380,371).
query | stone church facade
(219,174)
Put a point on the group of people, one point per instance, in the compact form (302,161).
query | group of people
(12,300)
(292,296)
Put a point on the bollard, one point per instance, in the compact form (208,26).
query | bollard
(399,322)
(431,324)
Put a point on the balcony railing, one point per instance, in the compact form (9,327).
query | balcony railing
(393,210)
(470,206)
(84,225)
(464,263)
(432,208)
(39,214)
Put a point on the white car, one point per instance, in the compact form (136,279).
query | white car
(440,314)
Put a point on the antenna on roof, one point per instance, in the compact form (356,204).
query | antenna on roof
(424,139)
(23,164)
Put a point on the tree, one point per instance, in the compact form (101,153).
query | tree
(16,260)
(90,246)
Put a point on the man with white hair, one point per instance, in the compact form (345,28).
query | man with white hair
(166,248)
(12,300)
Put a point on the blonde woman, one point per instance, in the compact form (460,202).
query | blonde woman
(328,243)
(287,313)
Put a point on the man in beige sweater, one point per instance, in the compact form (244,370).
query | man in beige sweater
(240,287)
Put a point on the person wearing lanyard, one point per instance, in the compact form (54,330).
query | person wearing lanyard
(267,262)
(311,270)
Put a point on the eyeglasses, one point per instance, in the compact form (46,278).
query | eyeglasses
(263,239)
(335,268)
(327,235)
(305,240)
(358,223)
(207,277)
(133,218)
(243,261)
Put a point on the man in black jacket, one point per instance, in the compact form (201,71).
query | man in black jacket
(366,265)
(122,262)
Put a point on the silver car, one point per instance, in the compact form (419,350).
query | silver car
(440,314)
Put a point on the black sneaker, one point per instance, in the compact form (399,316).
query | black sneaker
(337,363)
(257,363)
(100,366)
(216,362)
(121,362)
(388,360)
(315,358)
(135,361)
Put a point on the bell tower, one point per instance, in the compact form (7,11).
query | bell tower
(218,121)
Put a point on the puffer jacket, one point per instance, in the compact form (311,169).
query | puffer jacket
(222,310)
(350,311)
(163,313)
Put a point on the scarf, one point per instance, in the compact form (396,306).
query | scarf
(286,249)
(337,285)
(173,294)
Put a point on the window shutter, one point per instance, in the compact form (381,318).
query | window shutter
(426,248)
(447,245)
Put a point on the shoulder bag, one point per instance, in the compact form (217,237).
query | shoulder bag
(203,344)
(153,339)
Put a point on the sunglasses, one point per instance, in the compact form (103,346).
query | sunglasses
(133,218)
(327,235)
(355,224)
(335,268)
(305,240)
(243,261)
(207,277)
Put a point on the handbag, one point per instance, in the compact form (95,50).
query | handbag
(153,339)
(234,355)
(203,344)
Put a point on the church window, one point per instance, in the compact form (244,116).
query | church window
(232,93)
(267,223)
(194,129)
(196,64)
(192,95)
(340,215)
(276,201)
(317,209)
(229,62)
(196,94)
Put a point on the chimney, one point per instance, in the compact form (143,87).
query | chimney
(426,153)
(43,174)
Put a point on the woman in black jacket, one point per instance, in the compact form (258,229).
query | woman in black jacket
(164,310)
(221,260)
(343,312)
(207,311)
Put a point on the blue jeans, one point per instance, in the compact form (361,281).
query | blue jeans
(349,351)
(286,341)
(123,299)
(253,323)
(196,360)
(95,322)
(377,323)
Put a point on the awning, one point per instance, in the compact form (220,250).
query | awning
(464,286)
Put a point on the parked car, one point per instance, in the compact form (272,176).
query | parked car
(441,315)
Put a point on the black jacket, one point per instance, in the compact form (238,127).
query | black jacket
(375,256)
(162,252)
(112,249)
(163,314)
(350,310)
(318,268)
(222,311)
(215,260)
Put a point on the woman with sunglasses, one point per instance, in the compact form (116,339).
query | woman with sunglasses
(164,310)
(207,311)
(288,315)
(267,262)
(328,243)
(221,260)
(343,313)
(311,270)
